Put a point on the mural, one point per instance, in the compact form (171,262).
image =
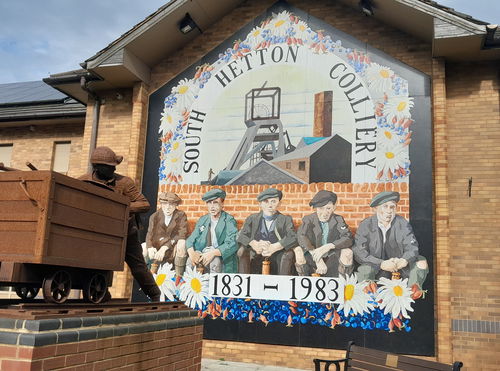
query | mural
(284,162)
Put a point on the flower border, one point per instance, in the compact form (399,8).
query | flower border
(285,28)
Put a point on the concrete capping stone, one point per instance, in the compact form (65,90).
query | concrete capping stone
(67,336)
(7,337)
(71,322)
(74,329)
(42,324)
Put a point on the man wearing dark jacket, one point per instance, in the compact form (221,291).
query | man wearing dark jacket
(104,162)
(167,233)
(267,235)
(324,239)
(385,243)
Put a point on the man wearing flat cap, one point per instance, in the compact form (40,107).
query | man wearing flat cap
(104,162)
(324,239)
(267,235)
(167,233)
(212,244)
(385,243)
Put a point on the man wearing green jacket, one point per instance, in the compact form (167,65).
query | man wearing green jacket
(212,244)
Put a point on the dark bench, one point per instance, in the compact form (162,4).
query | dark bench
(360,358)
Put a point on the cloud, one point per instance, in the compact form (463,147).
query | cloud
(39,38)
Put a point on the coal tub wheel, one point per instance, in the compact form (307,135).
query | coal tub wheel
(96,288)
(27,292)
(56,288)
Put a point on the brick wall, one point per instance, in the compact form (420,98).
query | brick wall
(241,200)
(165,340)
(268,354)
(473,132)
(36,145)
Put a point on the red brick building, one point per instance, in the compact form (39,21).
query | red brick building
(461,57)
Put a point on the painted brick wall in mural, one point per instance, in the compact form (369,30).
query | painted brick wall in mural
(293,176)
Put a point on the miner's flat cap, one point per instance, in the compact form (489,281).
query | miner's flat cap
(269,193)
(170,197)
(322,198)
(384,197)
(213,194)
(106,156)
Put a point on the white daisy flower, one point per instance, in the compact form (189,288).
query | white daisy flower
(387,139)
(165,279)
(398,108)
(395,297)
(356,301)
(194,290)
(379,77)
(279,24)
(392,161)
(186,92)
(169,120)
(254,38)
(301,30)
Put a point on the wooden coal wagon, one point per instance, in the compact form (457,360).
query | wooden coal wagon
(58,233)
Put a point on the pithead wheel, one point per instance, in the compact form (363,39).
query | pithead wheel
(96,288)
(27,292)
(56,287)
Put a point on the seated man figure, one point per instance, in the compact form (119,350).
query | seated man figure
(385,243)
(324,239)
(267,235)
(167,233)
(212,245)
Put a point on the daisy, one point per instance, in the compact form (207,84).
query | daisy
(387,139)
(279,24)
(397,108)
(379,77)
(301,30)
(395,297)
(186,92)
(254,38)
(392,162)
(165,279)
(194,290)
(170,118)
(356,301)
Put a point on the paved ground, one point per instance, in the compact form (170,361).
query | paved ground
(217,365)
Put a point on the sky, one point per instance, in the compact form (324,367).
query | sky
(39,38)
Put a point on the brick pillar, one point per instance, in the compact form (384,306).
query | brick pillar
(323,114)
(138,130)
(442,243)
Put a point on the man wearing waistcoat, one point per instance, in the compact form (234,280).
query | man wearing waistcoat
(324,239)
(167,233)
(267,235)
(385,243)
(212,245)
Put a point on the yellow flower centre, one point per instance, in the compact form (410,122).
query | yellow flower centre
(302,27)
(398,290)
(176,145)
(401,106)
(256,33)
(279,23)
(389,155)
(183,89)
(348,292)
(169,119)
(174,159)
(384,73)
(196,285)
(388,134)
(160,279)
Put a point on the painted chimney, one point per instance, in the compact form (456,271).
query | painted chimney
(323,114)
